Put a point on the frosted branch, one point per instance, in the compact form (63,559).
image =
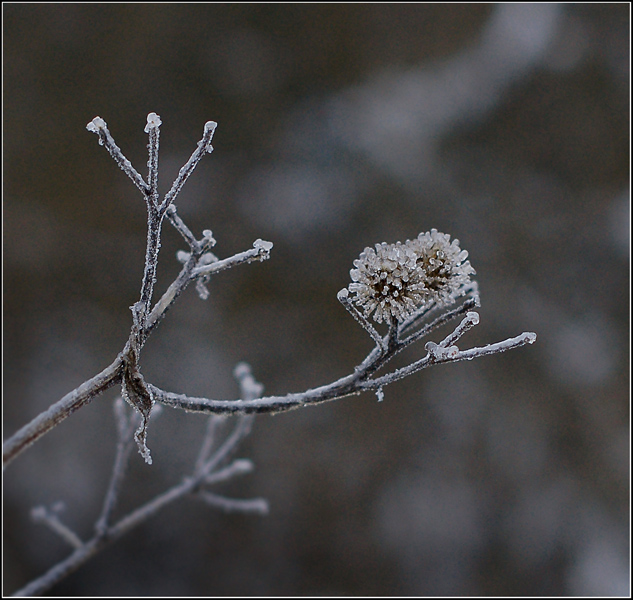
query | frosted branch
(409,286)
(179,224)
(213,424)
(257,506)
(437,322)
(204,147)
(153,129)
(359,381)
(437,354)
(509,344)
(106,533)
(472,319)
(343,298)
(134,390)
(237,467)
(99,126)
(55,414)
(126,423)
(259,252)
(249,387)
(43,515)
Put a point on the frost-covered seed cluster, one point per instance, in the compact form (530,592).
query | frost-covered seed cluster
(392,281)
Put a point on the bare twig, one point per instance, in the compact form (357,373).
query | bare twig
(99,126)
(343,298)
(255,505)
(126,423)
(204,147)
(357,382)
(48,517)
(113,374)
(55,414)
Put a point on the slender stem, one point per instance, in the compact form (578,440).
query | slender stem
(471,319)
(64,568)
(445,357)
(99,126)
(204,146)
(442,319)
(355,383)
(93,546)
(260,252)
(257,506)
(237,467)
(182,228)
(169,297)
(345,386)
(207,444)
(344,299)
(153,129)
(41,514)
(154,223)
(62,409)
(124,448)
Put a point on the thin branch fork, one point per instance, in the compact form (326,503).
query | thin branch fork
(199,264)
(124,370)
(207,471)
(353,384)
(114,373)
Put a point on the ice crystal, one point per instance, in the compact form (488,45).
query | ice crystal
(392,281)
(263,245)
(207,234)
(96,124)
(209,130)
(153,121)
(444,264)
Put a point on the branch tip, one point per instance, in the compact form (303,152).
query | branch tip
(249,386)
(208,239)
(97,124)
(263,246)
(473,317)
(209,130)
(153,122)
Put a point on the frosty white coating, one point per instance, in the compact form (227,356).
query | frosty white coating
(393,280)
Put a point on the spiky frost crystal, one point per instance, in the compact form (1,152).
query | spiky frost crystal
(392,281)
(388,282)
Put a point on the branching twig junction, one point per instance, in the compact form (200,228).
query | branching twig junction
(414,288)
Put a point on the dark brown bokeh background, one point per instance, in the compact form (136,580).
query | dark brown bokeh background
(339,126)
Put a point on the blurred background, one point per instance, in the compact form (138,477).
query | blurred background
(340,126)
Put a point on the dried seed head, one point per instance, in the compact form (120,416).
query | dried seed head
(395,280)
(444,264)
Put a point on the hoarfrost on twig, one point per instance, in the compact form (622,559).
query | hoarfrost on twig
(401,284)
(153,121)
(412,287)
